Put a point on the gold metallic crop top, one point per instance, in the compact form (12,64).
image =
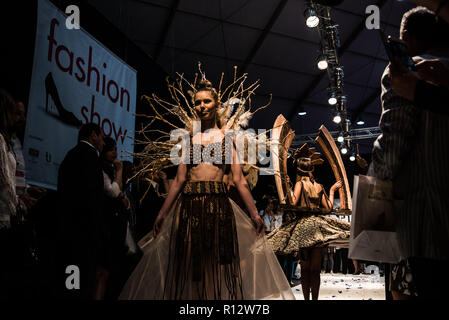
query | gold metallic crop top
(218,153)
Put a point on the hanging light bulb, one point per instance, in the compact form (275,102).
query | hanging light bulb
(332,98)
(344,150)
(352,157)
(311,16)
(302,112)
(337,118)
(322,62)
(340,138)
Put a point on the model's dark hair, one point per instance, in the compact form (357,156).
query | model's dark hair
(206,85)
(422,24)
(108,168)
(109,144)
(305,164)
(7,105)
(87,129)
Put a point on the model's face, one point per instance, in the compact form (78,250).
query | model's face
(205,105)
(110,156)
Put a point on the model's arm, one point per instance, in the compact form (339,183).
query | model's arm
(244,191)
(173,193)
(296,193)
(329,203)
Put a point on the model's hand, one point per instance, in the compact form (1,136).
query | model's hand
(337,185)
(258,224)
(158,224)
(361,162)
(433,70)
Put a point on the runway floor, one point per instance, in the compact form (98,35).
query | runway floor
(348,287)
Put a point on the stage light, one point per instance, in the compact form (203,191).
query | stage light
(337,118)
(332,98)
(301,111)
(352,157)
(322,62)
(344,150)
(340,138)
(311,16)
(360,123)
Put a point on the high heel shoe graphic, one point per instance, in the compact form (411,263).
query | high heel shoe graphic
(64,115)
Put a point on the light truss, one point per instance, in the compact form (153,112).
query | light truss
(355,134)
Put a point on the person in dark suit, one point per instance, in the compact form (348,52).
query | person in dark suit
(80,191)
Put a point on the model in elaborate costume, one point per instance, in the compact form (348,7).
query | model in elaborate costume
(305,229)
(203,245)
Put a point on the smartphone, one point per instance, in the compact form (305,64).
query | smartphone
(395,48)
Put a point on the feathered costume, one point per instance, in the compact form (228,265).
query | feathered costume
(207,247)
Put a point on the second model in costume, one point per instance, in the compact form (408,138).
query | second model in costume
(203,245)
(305,230)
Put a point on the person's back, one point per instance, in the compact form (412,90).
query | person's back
(80,189)
(79,184)
(414,150)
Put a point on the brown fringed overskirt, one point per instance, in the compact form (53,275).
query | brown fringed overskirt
(204,246)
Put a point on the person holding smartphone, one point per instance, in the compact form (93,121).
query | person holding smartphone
(413,152)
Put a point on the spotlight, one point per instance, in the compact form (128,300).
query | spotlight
(332,98)
(337,118)
(311,16)
(360,123)
(344,150)
(322,62)
(340,138)
(301,111)
(352,157)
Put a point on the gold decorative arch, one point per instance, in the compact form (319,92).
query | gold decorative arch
(281,141)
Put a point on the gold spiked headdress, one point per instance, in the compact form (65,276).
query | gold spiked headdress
(234,113)
(305,152)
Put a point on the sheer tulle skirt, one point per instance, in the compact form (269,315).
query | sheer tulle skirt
(207,249)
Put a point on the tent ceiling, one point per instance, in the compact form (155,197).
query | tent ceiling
(270,40)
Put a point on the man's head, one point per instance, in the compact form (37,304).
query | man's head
(419,30)
(91,132)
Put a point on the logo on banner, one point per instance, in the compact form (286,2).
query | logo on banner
(72,21)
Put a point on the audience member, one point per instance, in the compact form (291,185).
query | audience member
(82,235)
(8,199)
(413,152)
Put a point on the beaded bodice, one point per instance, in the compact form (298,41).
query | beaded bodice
(218,153)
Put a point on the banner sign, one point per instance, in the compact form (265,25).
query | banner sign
(75,80)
